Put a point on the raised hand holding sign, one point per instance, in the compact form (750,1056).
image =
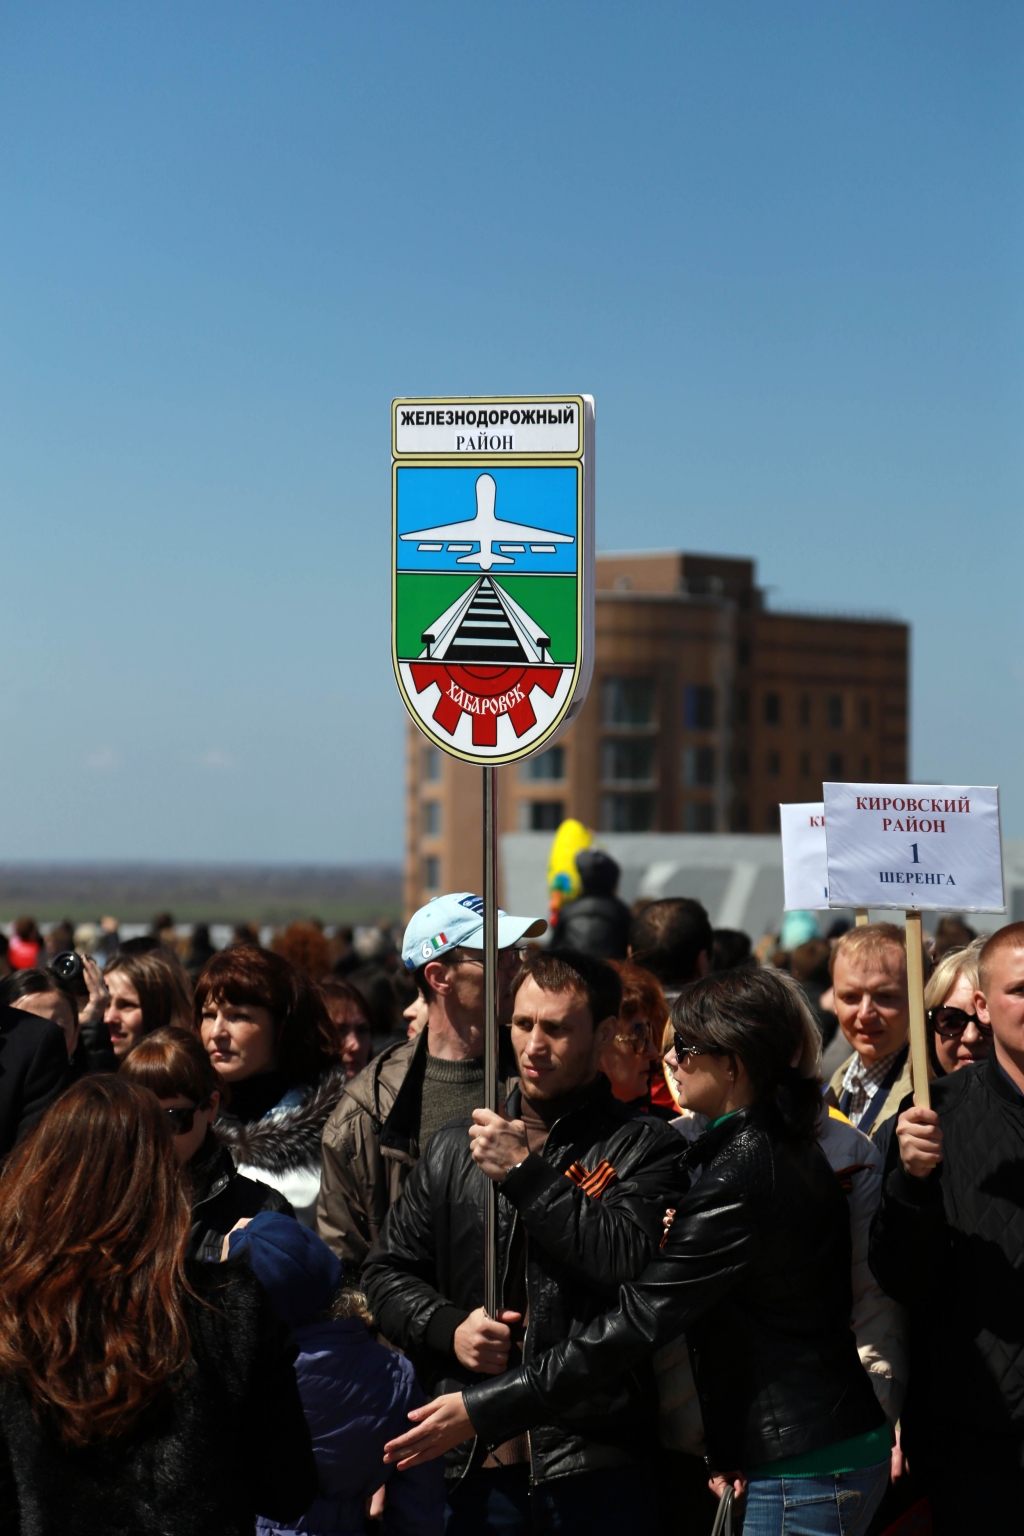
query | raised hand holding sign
(919,847)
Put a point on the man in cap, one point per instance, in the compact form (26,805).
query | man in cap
(388,1113)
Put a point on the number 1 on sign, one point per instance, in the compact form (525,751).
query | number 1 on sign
(915,859)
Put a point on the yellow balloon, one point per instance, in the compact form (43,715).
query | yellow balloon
(563,877)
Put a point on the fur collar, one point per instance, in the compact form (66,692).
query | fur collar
(286,1139)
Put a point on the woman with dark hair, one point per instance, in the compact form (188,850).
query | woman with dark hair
(41,993)
(173,1064)
(755,1270)
(50,996)
(147,991)
(350,1016)
(266,1028)
(139,1391)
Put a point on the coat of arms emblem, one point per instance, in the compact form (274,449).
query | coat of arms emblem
(492,606)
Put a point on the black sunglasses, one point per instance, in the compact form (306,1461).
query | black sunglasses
(182,1119)
(950,1023)
(684,1049)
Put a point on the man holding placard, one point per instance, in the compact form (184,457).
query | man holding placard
(869,981)
(948,1241)
(916,848)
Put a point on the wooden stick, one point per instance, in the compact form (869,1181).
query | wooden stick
(862,917)
(915,996)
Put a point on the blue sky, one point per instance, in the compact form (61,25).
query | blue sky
(779,243)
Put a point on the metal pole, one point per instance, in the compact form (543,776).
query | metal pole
(491,1297)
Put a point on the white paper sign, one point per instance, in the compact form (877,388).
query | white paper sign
(934,847)
(804,860)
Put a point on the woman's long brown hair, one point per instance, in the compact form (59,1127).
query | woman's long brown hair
(93,1228)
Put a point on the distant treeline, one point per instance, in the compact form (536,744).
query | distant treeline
(255,893)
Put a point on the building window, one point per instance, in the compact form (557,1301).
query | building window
(865,769)
(805,709)
(835,765)
(541,815)
(628,702)
(771,819)
(698,766)
(865,714)
(699,816)
(741,706)
(627,762)
(699,707)
(431,761)
(432,873)
(805,765)
(431,818)
(773,765)
(548,766)
(627,813)
(741,762)
(741,818)
(835,711)
(772,709)
(743,653)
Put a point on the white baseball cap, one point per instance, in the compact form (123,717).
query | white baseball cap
(458,918)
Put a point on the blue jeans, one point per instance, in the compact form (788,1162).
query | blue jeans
(841,1505)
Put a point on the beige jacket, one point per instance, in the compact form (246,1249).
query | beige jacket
(903,1085)
(878,1322)
(369,1147)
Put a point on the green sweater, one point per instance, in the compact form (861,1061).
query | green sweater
(451,1090)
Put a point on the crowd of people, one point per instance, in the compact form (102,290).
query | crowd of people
(242,1246)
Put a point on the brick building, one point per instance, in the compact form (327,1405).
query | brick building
(705,711)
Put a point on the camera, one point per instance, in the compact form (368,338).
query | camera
(67,966)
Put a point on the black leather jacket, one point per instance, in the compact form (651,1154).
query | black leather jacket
(425,1274)
(221,1196)
(756,1271)
(597,925)
(951,1247)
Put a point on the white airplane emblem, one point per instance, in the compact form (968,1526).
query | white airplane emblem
(494,535)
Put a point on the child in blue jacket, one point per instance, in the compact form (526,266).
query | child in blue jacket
(356,1394)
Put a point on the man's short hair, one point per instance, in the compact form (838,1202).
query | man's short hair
(872,941)
(1009,937)
(569,970)
(668,937)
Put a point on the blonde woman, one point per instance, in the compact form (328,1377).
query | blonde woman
(956,1036)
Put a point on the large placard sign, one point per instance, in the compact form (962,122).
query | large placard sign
(492,576)
(930,847)
(804,860)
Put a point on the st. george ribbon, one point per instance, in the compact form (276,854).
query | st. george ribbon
(488,494)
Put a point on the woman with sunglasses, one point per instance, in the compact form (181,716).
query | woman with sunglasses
(173,1064)
(626,1059)
(755,1270)
(956,1036)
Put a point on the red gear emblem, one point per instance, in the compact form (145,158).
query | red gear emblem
(484,693)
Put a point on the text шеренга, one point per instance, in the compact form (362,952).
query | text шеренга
(912,877)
